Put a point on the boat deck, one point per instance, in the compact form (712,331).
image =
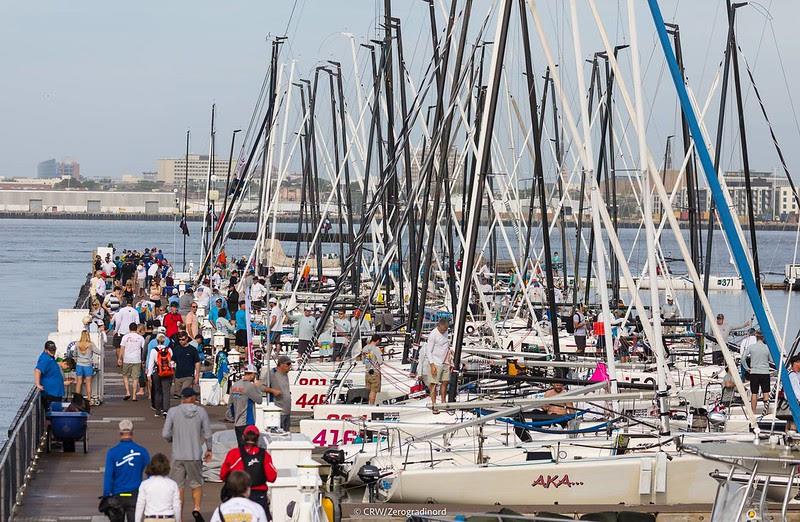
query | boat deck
(66,486)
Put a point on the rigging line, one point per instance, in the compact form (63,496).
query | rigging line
(783,73)
(771,130)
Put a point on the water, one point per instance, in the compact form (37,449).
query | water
(44,262)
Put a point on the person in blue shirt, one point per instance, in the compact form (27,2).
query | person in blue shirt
(213,309)
(241,325)
(125,464)
(47,375)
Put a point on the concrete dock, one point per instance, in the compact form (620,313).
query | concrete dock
(66,486)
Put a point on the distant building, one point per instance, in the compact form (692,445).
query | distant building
(58,169)
(47,169)
(87,201)
(69,168)
(150,175)
(173,172)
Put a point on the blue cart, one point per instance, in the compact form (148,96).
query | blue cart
(67,427)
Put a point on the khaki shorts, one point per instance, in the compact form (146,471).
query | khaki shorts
(442,374)
(373,382)
(131,370)
(187,472)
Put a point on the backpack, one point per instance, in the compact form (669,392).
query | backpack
(164,363)
(570,323)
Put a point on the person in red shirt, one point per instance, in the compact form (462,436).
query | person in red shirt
(256,462)
(173,320)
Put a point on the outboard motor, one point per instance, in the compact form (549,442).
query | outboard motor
(369,475)
(335,459)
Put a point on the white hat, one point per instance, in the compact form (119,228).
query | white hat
(250,369)
(161,330)
(273,300)
(174,291)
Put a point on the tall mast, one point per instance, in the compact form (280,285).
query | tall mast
(482,169)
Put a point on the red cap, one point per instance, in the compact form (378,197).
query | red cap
(251,429)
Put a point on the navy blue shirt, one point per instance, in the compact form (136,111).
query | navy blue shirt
(125,464)
(185,358)
(52,379)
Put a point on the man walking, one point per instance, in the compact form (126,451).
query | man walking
(187,427)
(125,463)
(160,371)
(438,355)
(129,358)
(187,363)
(245,394)
(280,391)
(756,359)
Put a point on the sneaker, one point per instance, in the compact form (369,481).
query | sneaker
(198,517)
(157,414)
(164,414)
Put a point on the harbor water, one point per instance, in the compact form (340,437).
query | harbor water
(43,263)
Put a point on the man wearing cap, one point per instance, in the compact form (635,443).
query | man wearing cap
(669,310)
(47,375)
(217,304)
(275,324)
(258,292)
(306,328)
(160,387)
(756,359)
(187,427)
(280,391)
(125,463)
(245,394)
(253,460)
(173,320)
(726,329)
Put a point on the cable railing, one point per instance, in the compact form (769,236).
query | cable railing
(20,452)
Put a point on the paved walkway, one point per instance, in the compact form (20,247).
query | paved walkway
(66,486)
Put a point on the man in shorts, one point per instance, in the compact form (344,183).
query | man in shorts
(129,357)
(306,329)
(439,357)
(373,360)
(186,426)
(275,324)
(756,360)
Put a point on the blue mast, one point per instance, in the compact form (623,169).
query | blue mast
(726,218)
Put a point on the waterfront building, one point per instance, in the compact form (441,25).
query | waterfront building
(47,169)
(173,171)
(86,202)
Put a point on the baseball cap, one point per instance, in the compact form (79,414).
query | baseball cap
(308,308)
(273,300)
(283,359)
(188,392)
(219,298)
(161,330)
(250,369)
(251,429)
(174,291)
(125,425)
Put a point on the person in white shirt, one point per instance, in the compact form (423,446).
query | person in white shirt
(669,310)
(439,357)
(129,357)
(216,278)
(287,285)
(275,324)
(202,295)
(99,285)
(124,317)
(141,279)
(794,375)
(152,271)
(239,507)
(258,292)
(341,329)
(159,498)
(109,267)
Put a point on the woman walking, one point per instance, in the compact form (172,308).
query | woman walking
(84,369)
(159,498)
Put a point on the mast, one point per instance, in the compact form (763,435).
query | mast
(745,154)
(559,178)
(205,248)
(185,194)
(539,174)
(483,167)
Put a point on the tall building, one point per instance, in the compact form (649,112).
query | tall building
(69,168)
(47,169)
(173,172)
(58,169)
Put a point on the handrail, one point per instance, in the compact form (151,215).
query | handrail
(19,453)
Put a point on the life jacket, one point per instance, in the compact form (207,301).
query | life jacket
(254,466)
(164,363)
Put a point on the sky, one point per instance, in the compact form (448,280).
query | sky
(116,85)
